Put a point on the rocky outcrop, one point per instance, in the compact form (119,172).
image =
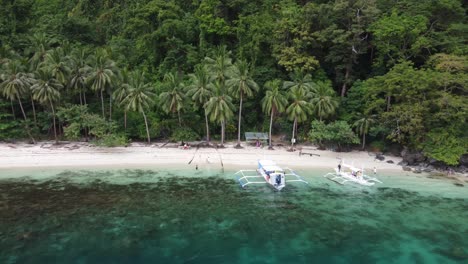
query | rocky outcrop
(418,163)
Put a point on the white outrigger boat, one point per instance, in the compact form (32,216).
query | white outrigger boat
(271,173)
(347,173)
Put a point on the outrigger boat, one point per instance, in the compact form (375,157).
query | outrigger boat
(347,173)
(272,174)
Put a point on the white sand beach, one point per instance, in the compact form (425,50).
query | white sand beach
(79,154)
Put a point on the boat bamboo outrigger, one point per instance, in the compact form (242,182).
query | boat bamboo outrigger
(348,173)
(272,174)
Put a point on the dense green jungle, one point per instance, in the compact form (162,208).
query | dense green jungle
(345,74)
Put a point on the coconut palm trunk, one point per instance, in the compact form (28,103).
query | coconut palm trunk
(207,128)
(147,129)
(178,116)
(239,125)
(293,139)
(363,140)
(13,109)
(110,107)
(102,105)
(222,133)
(25,120)
(125,120)
(270,145)
(34,111)
(53,118)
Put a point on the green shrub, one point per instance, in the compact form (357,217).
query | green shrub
(184,134)
(112,140)
(377,146)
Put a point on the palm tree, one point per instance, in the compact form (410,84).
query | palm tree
(122,91)
(79,71)
(55,62)
(301,82)
(363,126)
(241,84)
(219,64)
(324,103)
(16,84)
(39,43)
(140,97)
(200,92)
(274,102)
(219,107)
(46,90)
(173,100)
(102,75)
(297,110)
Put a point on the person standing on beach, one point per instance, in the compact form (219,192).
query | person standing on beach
(375,171)
(339,167)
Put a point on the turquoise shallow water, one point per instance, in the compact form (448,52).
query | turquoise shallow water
(181,216)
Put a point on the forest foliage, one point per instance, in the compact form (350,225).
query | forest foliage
(337,73)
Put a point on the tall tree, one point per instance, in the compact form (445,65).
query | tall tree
(16,84)
(323,102)
(220,107)
(140,97)
(200,91)
(219,66)
(102,74)
(40,43)
(241,85)
(79,71)
(362,125)
(122,91)
(56,64)
(46,90)
(274,102)
(173,99)
(298,110)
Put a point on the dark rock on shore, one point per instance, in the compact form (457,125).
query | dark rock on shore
(406,168)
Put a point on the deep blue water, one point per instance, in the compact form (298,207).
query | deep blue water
(145,216)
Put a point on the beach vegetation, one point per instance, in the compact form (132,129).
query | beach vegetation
(394,71)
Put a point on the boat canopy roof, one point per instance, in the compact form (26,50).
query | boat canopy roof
(273,169)
(266,162)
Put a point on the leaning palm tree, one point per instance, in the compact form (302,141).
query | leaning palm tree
(15,84)
(173,99)
(219,107)
(200,91)
(363,126)
(274,102)
(297,111)
(241,85)
(301,82)
(46,91)
(140,97)
(324,103)
(102,74)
